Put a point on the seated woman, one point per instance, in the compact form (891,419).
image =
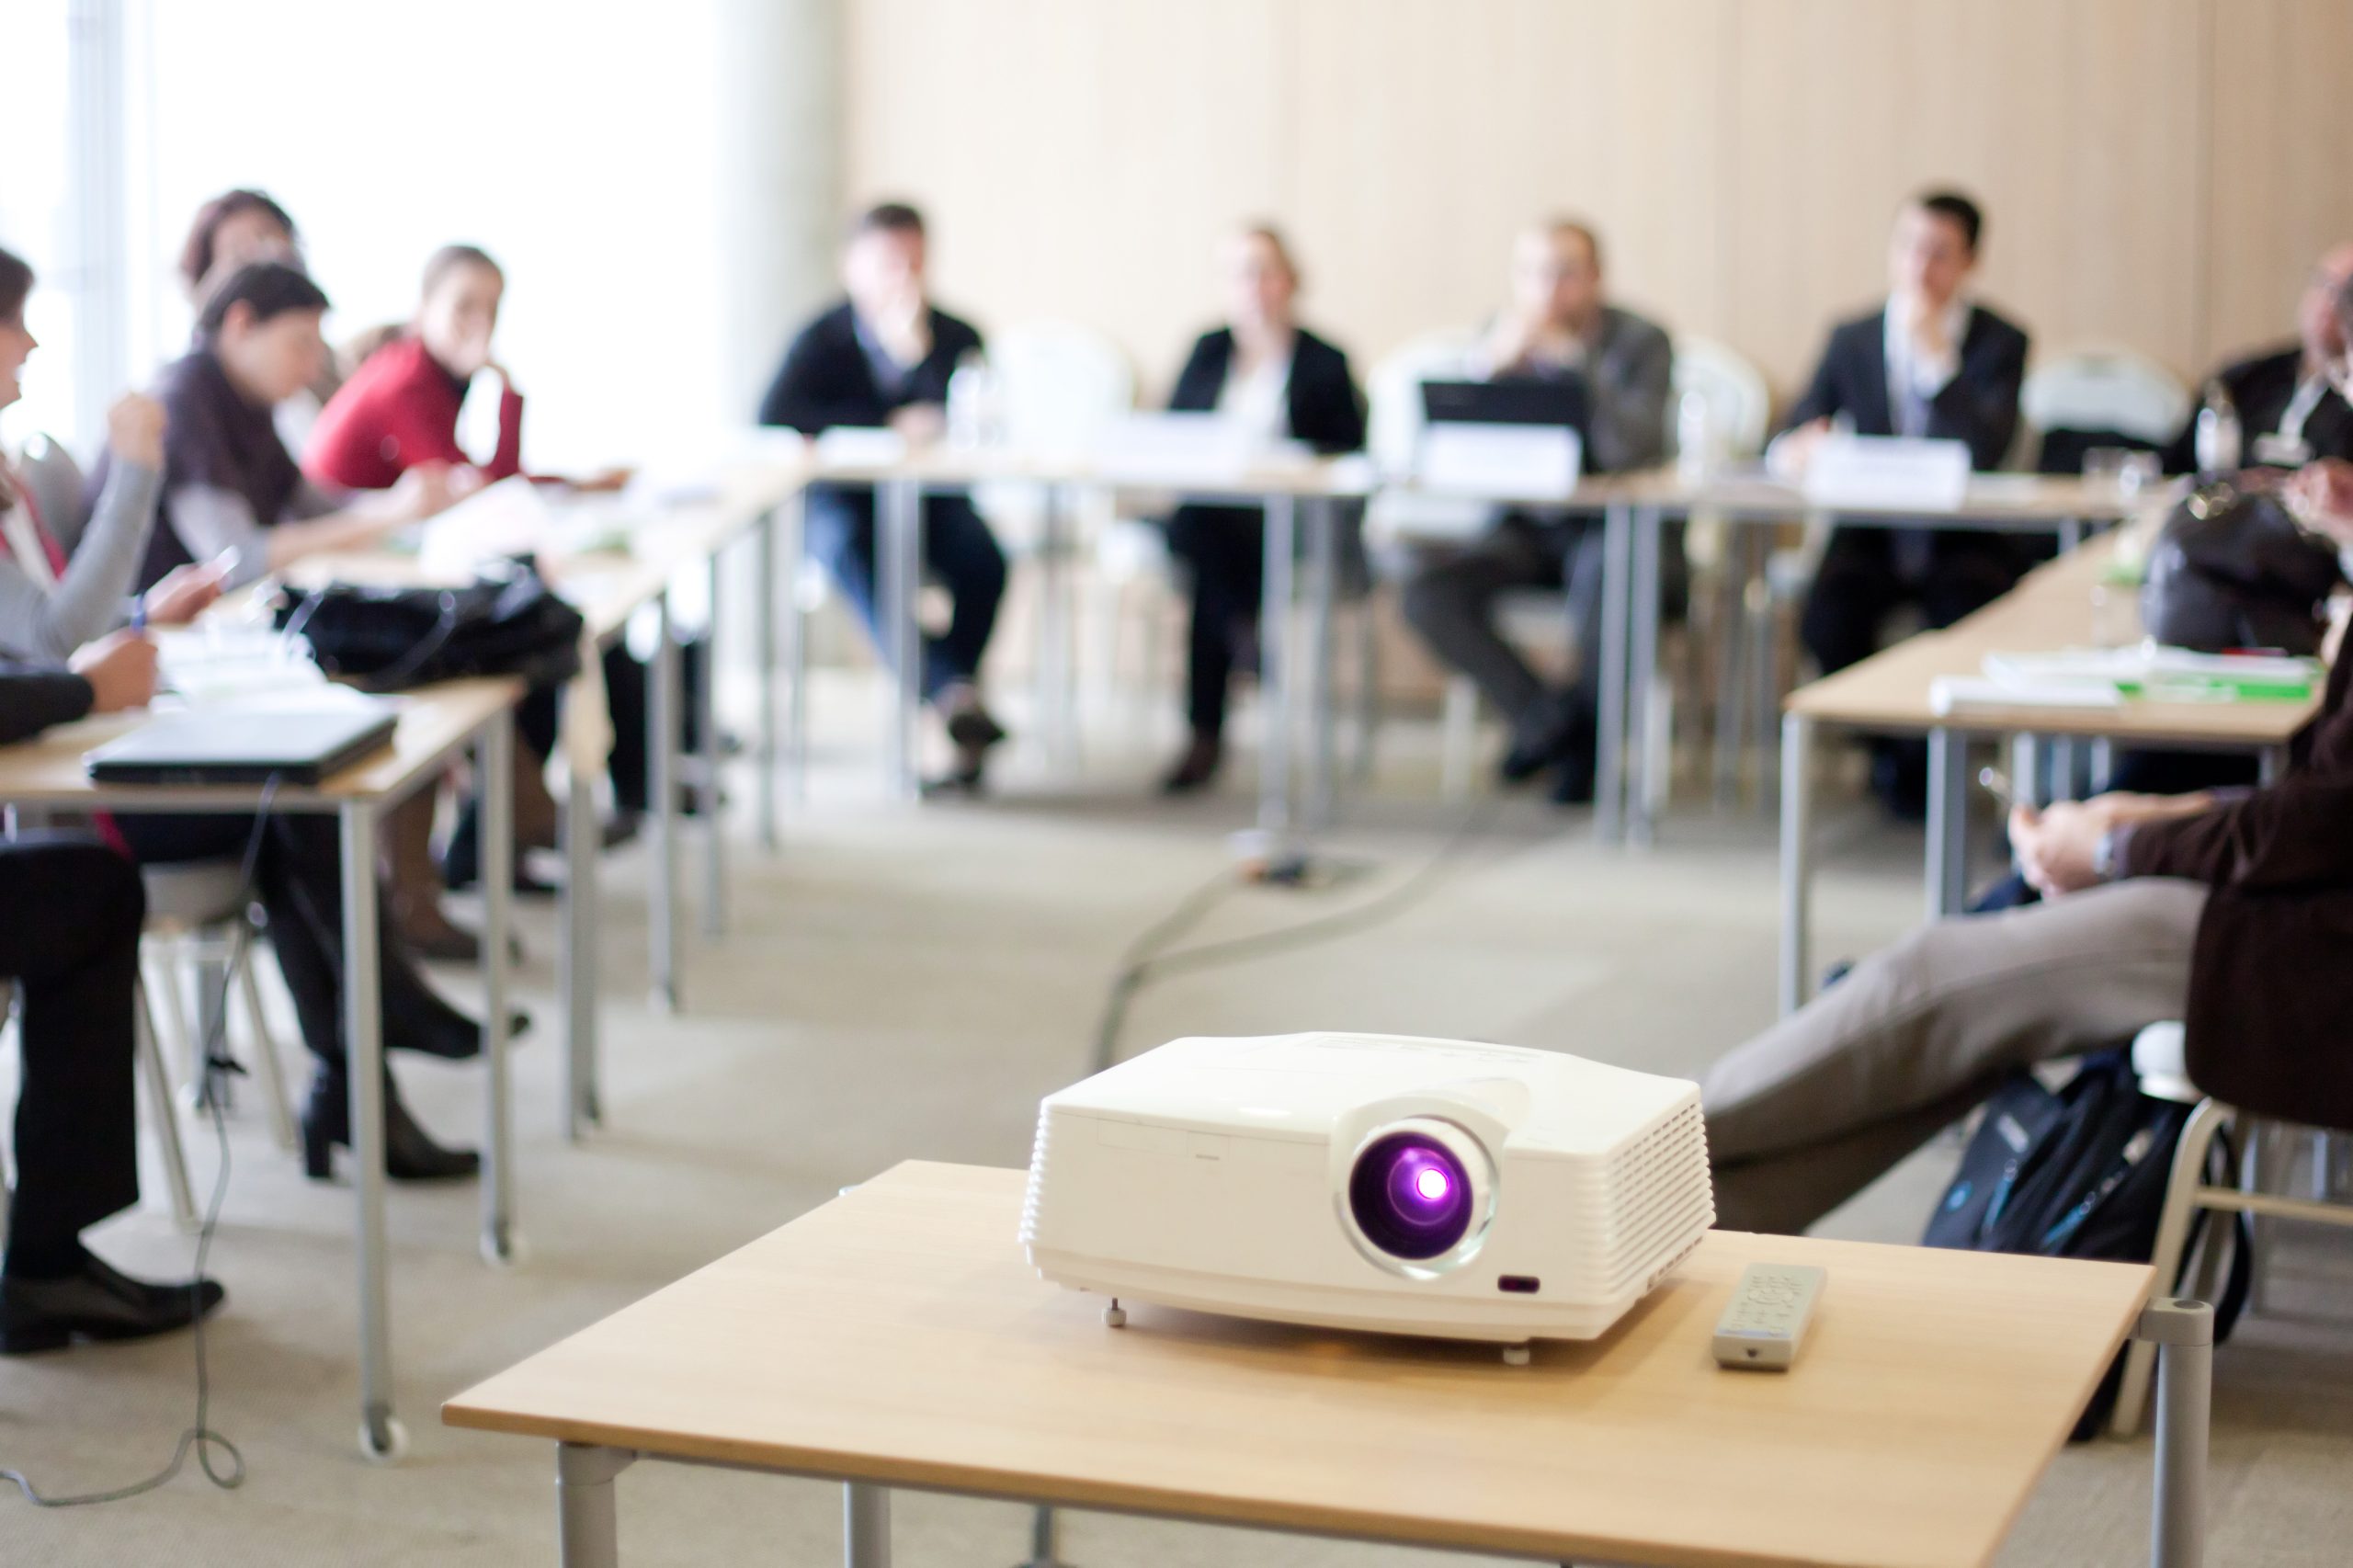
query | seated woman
(228,486)
(399,410)
(76,1147)
(1275,381)
(49,605)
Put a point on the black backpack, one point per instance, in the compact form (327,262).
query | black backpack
(2081,1172)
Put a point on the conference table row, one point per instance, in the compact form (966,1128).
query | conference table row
(756,498)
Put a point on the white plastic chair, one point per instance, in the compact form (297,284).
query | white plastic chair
(55,482)
(2159,1059)
(1740,405)
(1058,382)
(199,919)
(2105,389)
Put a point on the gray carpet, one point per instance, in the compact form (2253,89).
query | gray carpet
(907,981)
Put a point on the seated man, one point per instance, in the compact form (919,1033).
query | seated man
(1557,327)
(71,944)
(882,358)
(2229,911)
(2289,413)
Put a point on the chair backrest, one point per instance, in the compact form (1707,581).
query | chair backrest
(1058,383)
(55,481)
(2106,389)
(1394,435)
(1739,403)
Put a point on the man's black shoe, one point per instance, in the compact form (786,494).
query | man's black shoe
(94,1303)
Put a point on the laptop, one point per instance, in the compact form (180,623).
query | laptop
(249,747)
(1514,401)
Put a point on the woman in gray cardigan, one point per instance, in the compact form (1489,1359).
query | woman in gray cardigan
(66,580)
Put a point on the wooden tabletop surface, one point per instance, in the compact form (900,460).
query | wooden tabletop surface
(899,1335)
(435,721)
(2051,609)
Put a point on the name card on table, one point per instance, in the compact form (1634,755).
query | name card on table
(1500,462)
(1887,474)
(1168,449)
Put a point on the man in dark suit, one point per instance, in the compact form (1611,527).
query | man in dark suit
(882,358)
(70,941)
(1930,363)
(2289,415)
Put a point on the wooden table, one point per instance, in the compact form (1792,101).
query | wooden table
(2052,608)
(898,1337)
(436,723)
(750,497)
(2062,506)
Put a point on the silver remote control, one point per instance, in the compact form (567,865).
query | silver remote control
(1767,1316)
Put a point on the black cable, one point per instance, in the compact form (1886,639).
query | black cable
(1147,961)
(200,1435)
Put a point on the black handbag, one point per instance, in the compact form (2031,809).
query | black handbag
(506,622)
(2233,569)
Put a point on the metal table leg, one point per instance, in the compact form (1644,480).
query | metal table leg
(1045,1539)
(764,573)
(1641,676)
(1947,823)
(1274,676)
(588,1526)
(1323,584)
(2183,1332)
(898,549)
(1055,622)
(493,753)
(1609,716)
(796,647)
(381,1437)
(1797,859)
(577,950)
(866,1524)
(662,896)
(714,830)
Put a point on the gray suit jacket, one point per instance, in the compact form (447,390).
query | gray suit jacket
(1628,374)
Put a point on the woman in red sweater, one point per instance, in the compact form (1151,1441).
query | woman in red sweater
(399,409)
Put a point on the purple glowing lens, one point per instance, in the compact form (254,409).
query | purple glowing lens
(1410,1196)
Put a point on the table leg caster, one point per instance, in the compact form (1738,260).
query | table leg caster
(503,1248)
(1115,1315)
(383,1438)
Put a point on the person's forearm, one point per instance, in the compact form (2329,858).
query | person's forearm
(90,599)
(34,697)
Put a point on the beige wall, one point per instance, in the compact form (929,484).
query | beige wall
(2157,173)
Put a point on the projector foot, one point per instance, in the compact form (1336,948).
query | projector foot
(1515,1356)
(1115,1315)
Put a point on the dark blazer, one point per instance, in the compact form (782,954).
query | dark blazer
(35,696)
(2262,388)
(1979,406)
(1326,409)
(2271,975)
(826,380)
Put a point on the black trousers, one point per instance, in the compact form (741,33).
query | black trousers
(298,875)
(1861,582)
(70,914)
(1227,548)
(626,696)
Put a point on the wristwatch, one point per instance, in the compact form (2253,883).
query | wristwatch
(2108,852)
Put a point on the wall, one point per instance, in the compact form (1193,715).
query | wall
(2157,173)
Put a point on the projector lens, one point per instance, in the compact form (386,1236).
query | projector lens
(1410,1196)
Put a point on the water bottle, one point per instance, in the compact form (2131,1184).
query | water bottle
(2218,437)
(1695,435)
(968,400)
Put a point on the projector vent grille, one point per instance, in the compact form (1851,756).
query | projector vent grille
(1038,1151)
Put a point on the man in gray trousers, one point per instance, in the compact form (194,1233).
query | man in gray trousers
(1558,327)
(2231,911)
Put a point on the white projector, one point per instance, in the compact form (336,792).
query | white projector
(1380,1182)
